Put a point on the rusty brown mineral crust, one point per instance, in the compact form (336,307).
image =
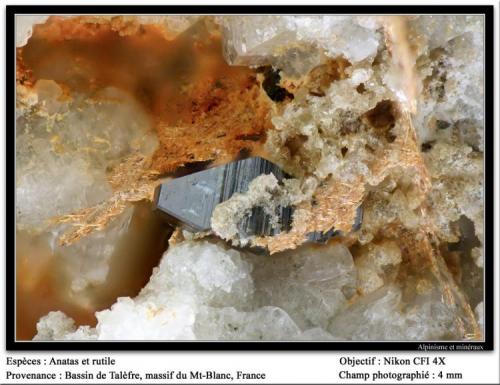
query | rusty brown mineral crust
(209,113)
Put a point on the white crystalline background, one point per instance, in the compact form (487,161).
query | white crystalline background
(298,42)
(450,118)
(205,289)
(200,290)
(451,68)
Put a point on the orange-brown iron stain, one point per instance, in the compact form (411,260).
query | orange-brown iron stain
(202,108)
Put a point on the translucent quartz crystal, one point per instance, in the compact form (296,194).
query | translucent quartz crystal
(90,273)
(203,290)
(296,43)
(450,67)
(450,125)
(436,30)
(374,263)
(207,291)
(266,323)
(378,316)
(65,146)
(86,262)
(311,284)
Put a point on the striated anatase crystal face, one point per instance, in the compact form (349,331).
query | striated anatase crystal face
(191,199)
(321,177)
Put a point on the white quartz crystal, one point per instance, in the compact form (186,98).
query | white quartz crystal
(382,316)
(434,31)
(312,284)
(374,261)
(54,326)
(451,72)
(203,290)
(265,323)
(288,296)
(58,326)
(295,43)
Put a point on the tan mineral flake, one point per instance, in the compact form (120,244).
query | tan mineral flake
(335,207)
(130,183)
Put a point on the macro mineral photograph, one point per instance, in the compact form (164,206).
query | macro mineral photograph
(249,177)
